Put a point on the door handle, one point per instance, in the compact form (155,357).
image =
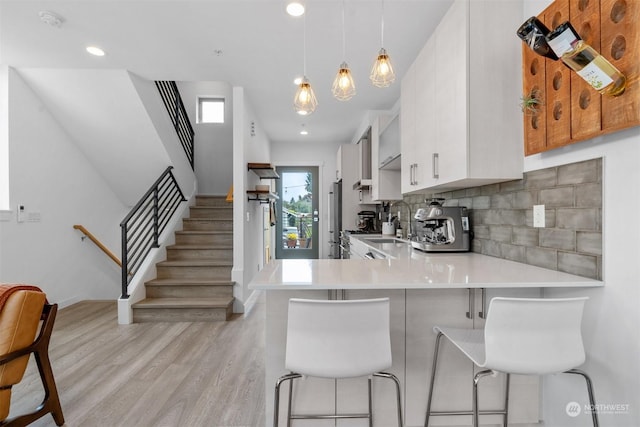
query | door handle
(434,165)
(471,303)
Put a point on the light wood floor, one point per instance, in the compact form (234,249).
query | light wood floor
(152,374)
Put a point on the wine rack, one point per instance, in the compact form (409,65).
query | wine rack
(572,111)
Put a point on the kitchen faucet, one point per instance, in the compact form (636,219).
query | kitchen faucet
(410,229)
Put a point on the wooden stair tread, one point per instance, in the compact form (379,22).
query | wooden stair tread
(196,263)
(207,219)
(221,302)
(188,282)
(200,246)
(194,284)
(204,232)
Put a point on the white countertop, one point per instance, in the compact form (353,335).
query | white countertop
(411,269)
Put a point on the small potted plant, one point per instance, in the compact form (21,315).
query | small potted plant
(292,239)
(531,102)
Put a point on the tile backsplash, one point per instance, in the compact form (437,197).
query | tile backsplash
(502,218)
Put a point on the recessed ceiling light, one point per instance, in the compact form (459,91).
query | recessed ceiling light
(304,132)
(94,50)
(295,8)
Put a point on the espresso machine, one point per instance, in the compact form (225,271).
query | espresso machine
(441,228)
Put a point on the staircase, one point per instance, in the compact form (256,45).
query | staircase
(194,283)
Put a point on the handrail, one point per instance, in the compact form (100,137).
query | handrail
(173,103)
(98,243)
(141,228)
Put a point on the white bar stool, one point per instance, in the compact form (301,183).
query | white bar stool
(521,336)
(337,339)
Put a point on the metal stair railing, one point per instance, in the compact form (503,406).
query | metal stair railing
(142,227)
(173,102)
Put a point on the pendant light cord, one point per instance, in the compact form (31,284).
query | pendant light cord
(344,49)
(304,45)
(382,24)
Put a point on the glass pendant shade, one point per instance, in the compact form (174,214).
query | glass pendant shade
(305,101)
(343,87)
(382,74)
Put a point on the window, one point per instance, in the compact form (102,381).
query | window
(210,110)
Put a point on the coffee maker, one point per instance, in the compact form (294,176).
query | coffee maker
(441,228)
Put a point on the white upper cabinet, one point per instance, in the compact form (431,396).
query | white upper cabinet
(408,129)
(385,146)
(460,121)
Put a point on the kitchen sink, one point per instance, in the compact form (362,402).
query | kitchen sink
(384,240)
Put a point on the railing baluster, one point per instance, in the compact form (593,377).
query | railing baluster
(178,114)
(142,227)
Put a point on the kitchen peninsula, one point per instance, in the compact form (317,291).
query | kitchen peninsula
(424,289)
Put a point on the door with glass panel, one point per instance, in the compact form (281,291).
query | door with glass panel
(297,212)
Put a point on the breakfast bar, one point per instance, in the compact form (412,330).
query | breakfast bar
(424,290)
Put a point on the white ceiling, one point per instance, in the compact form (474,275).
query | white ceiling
(262,49)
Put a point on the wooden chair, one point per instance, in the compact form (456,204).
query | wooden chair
(20,317)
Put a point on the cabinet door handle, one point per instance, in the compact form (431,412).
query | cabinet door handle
(483,310)
(471,304)
(415,175)
(434,165)
(411,174)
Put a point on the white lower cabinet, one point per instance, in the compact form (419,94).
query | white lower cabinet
(352,393)
(453,383)
(414,313)
(426,309)
(311,395)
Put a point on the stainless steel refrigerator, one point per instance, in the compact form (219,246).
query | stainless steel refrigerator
(335,219)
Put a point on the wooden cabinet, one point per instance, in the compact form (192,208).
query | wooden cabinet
(457,127)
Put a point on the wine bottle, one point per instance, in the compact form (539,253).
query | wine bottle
(586,61)
(533,33)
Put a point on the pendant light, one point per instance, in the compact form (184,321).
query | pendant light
(343,87)
(305,101)
(382,74)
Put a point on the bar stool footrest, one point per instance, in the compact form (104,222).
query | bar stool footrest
(325,417)
(470,412)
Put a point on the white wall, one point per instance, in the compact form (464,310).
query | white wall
(49,175)
(247,216)
(213,141)
(321,155)
(612,316)
(103,113)
(4,137)
(157,113)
